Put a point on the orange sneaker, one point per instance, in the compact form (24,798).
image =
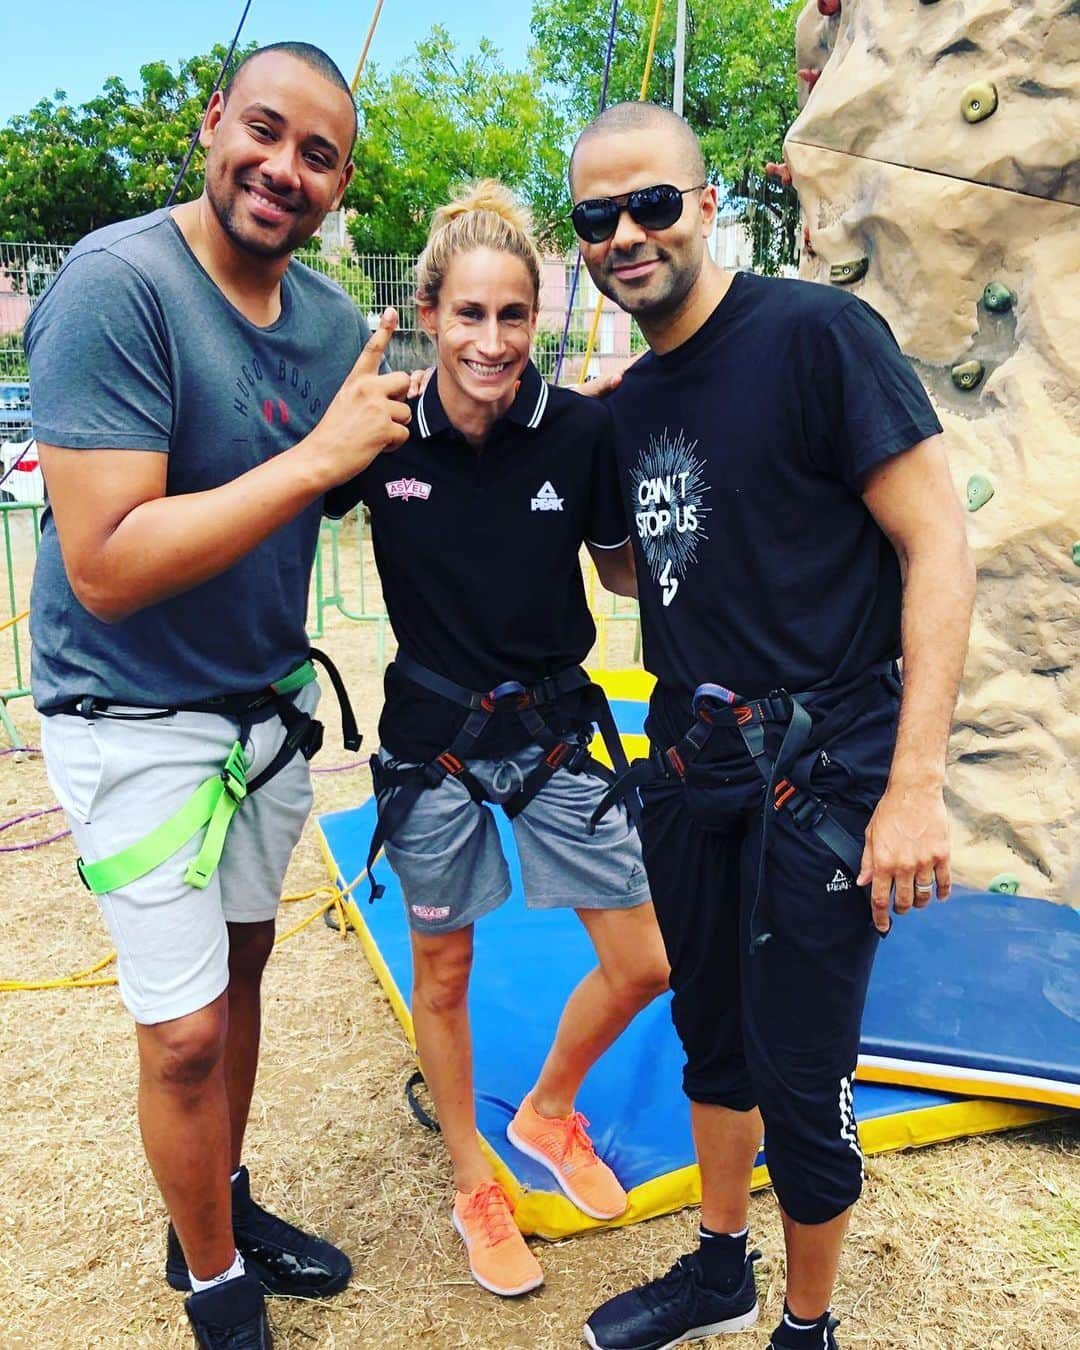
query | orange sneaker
(499,1258)
(561,1145)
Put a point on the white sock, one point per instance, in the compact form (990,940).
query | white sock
(233,1273)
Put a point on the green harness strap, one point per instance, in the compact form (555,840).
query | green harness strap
(213,804)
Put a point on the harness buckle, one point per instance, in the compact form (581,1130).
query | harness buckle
(807,812)
(234,773)
(501,691)
(557,754)
(705,694)
(783,793)
(671,754)
(450,763)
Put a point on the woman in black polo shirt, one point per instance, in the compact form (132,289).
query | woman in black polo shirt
(478,523)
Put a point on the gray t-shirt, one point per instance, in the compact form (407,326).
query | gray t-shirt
(134,347)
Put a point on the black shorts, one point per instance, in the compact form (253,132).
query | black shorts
(778,1029)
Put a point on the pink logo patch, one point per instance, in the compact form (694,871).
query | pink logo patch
(408,487)
(432,913)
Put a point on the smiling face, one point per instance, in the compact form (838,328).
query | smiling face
(277,154)
(649,273)
(482,325)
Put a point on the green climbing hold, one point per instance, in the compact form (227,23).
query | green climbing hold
(968,375)
(1076,553)
(979,102)
(847,273)
(1004,884)
(979,491)
(997,298)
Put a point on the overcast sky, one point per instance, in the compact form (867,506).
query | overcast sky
(74,45)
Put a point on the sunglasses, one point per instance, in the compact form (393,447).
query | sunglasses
(653,208)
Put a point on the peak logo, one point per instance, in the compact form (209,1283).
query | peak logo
(408,487)
(547,499)
(840,882)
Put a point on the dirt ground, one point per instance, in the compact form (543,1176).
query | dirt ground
(961,1247)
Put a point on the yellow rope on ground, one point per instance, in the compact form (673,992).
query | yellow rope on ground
(645,80)
(8,623)
(84,979)
(367,44)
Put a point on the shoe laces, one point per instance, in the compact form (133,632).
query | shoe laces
(574,1145)
(660,1292)
(490,1205)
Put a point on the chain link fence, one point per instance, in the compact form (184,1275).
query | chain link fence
(372,280)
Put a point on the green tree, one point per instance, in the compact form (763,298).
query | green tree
(66,170)
(439,119)
(739,89)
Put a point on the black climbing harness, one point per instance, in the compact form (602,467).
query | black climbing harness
(398,789)
(714,705)
(214,803)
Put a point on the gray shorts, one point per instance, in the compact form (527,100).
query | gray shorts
(117,781)
(451,866)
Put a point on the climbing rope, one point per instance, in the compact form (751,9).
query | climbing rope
(217,85)
(645,81)
(577,261)
(367,43)
(91,978)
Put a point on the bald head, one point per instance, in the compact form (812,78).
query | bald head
(647,119)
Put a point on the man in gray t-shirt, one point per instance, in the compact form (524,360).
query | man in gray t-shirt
(196,393)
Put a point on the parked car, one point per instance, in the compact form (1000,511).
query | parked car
(20,472)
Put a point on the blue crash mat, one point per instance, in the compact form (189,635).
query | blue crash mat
(526,964)
(980,995)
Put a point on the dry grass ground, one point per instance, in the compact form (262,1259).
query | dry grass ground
(962,1247)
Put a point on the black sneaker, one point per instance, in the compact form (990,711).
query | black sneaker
(286,1260)
(230,1316)
(778,1342)
(673,1309)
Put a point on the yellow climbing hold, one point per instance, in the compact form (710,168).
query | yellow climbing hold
(968,375)
(1004,884)
(979,491)
(979,102)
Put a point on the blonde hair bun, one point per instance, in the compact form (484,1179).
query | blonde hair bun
(484,214)
(486,194)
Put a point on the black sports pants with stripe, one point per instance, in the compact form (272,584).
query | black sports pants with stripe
(778,1029)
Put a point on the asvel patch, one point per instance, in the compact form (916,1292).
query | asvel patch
(431,913)
(547,499)
(408,487)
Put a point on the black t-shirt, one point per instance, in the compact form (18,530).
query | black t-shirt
(743,454)
(478,551)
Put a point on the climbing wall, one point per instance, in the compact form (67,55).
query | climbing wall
(936,159)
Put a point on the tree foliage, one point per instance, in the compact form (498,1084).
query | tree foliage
(66,170)
(739,87)
(439,119)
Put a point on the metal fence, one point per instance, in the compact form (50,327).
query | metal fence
(372,281)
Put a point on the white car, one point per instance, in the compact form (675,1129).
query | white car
(20,472)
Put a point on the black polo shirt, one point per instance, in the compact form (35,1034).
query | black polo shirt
(478,551)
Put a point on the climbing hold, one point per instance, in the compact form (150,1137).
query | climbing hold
(806,243)
(828,7)
(979,102)
(847,273)
(780,171)
(968,375)
(1076,553)
(809,77)
(979,491)
(928,2)
(1004,884)
(997,298)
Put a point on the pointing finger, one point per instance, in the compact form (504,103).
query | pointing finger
(371,357)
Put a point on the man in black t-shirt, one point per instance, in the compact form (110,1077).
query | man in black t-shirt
(796,531)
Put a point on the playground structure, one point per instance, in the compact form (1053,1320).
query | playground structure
(935,160)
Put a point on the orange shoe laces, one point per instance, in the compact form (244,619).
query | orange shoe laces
(490,1204)
(576,1146)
